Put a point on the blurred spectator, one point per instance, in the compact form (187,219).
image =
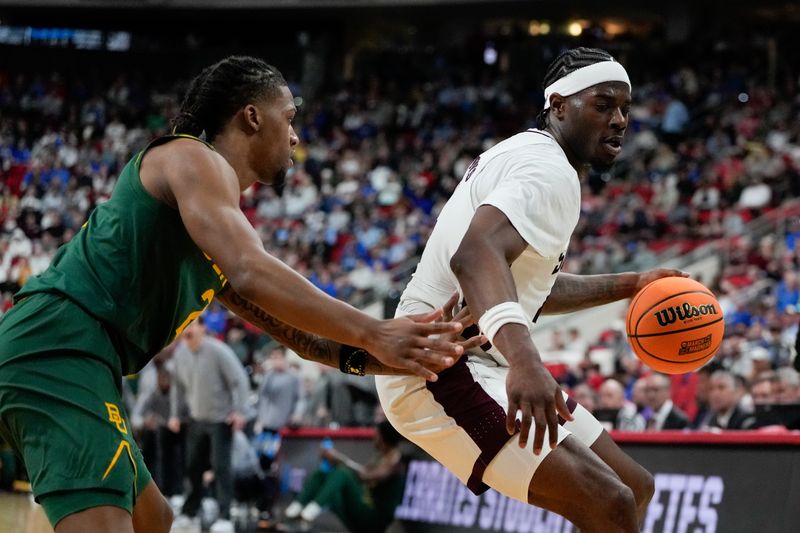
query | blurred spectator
(214,383)
(279,397)
(586,396)
(658,392)
(363,497)
(330,403)
(723,399)
(703,415)
(639,398)
(612,397)
(163,449)
(788,386)
(764,388)
(250,483)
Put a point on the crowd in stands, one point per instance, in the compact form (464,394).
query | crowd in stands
(707,151)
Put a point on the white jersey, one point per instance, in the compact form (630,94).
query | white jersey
(529,179)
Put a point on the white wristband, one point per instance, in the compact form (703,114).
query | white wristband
(500,315)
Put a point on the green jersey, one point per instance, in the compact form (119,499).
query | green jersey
(134,268)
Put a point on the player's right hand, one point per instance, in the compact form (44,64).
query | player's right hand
(533,391)
(412,343)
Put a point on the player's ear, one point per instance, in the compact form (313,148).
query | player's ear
(252,117)
(557,106)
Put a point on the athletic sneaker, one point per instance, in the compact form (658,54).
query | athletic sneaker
(311,512)
(222,525)
(186,524)
(293,511)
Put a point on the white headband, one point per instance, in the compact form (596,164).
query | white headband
(585,77)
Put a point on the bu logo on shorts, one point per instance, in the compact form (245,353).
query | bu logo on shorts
(115,417)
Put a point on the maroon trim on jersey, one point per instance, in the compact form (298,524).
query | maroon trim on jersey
(475,412)
(478,414)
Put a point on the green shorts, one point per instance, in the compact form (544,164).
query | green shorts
(61,411)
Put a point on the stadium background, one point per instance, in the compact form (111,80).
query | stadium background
(396,98)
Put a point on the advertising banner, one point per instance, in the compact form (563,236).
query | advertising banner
(716,486)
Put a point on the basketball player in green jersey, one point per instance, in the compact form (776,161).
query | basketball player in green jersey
(146,264)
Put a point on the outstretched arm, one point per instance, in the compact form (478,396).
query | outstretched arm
(572,292)
(307,345)
(206,193)
(325,351)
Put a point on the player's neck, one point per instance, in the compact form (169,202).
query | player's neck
(236,153)
(556,134)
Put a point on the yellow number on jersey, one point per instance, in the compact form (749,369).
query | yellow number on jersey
(207,297)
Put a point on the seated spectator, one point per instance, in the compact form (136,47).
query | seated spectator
(788,385)
(586,396)
(612,397)
(666,415)
(763,389)
(364,498)
(723,399)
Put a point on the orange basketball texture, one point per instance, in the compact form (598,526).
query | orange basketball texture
(675,325)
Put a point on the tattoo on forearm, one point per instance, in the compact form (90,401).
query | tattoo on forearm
(304,343)
(573,292)
(307,345)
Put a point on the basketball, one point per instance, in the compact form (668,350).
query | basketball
(675,325)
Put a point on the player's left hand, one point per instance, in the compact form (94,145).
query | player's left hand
(645,278)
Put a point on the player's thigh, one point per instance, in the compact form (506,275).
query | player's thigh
(62,414)
(105,519)
(574,482)
(152,512)
(590,432)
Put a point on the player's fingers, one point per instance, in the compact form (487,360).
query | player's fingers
(439,346)
(464,317)
(449,307)
(540,421)
(473,342)
(438,328)
(425,317)
(433,360)
(552,424)
(561,406)
(525,425)
(511,416)
(418,369)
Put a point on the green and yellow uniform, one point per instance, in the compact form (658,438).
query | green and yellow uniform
(123,288)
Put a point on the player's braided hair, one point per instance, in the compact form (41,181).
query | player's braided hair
(569,61)
(222,89)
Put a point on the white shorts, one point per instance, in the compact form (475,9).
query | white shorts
(460,420)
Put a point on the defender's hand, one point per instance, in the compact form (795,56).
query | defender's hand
(532,390)
(413,343)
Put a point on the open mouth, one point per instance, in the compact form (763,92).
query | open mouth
(612,145)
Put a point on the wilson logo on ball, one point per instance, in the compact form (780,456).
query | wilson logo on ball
(669,315)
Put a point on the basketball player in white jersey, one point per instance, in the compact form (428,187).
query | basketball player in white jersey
(500,241)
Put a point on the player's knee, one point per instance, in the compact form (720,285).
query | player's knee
(157,520)
(167,516)
(619,505)
(645,488)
